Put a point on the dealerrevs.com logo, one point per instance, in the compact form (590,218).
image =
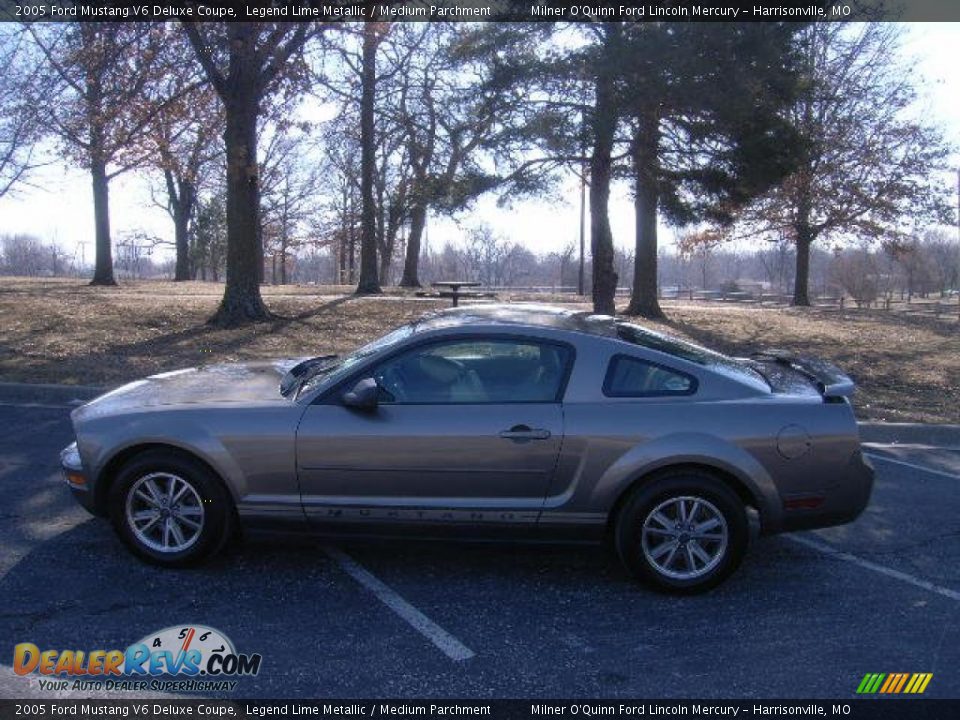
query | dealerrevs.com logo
(199,657)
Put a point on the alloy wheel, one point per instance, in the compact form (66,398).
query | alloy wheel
(164,512)
(684,538)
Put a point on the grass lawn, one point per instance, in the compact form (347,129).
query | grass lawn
(63,331)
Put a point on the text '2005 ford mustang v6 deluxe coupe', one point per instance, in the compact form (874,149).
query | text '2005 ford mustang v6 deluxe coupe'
(505,421)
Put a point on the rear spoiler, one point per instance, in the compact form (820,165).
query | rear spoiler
(829,380)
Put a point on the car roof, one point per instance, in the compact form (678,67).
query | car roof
(567,320)
(529,315)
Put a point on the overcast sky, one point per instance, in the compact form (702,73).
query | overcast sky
(61,209)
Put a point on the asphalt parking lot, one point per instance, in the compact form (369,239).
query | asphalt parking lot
(806,616)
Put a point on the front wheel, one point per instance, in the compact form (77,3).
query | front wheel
(684,532)
(170,509)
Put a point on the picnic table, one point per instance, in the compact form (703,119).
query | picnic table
(454,288)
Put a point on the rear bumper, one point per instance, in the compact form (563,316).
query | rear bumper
(843,503)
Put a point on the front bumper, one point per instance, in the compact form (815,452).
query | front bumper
(842,504)
(74,476)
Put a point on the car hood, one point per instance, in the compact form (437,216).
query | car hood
(250,382)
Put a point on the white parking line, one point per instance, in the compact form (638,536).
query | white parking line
(882,569)
(909,446)
(914,466)
(445,642)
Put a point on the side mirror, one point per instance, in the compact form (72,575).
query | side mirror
(363,396)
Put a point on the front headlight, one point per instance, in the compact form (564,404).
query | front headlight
(70,457)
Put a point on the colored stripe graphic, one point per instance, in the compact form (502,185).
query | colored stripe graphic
(918,683)
(894,683)
(867,683)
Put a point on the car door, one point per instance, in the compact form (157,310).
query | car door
(467,430)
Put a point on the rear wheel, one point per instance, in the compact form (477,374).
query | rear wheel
(683,532)
(170,509)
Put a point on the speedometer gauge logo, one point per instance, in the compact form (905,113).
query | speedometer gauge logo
(206,640)
(188,650)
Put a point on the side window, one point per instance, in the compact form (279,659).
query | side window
(475,371)
(632,377)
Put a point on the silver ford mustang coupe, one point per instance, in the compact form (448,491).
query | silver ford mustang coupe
(488,421)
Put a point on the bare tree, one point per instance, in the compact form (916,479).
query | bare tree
(777,259)
(209,238)
(855,270)
(942,248)
(290,180)
(338,226)
(868,162)
(604,117)
(245,62)
(98,92)
(183,146)
(19,131)
(23,254)
(448,113)
(699,246)
(363,79)
(369,277)
(909,254)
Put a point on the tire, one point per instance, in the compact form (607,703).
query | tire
(714,537)
(204,514)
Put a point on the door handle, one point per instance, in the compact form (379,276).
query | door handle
(524,432)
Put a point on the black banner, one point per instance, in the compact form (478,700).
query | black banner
(484,10)
(879,709)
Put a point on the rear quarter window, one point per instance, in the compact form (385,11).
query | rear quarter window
(632,377)
(713,361)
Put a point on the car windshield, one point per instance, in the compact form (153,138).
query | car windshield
(342,366)
(684,350)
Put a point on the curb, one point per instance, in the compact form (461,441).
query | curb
(45,393)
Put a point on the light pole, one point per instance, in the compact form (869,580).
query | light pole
(581,285)
(583,214)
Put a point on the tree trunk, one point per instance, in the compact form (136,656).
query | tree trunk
(801,296)
(581,283)
(411,264)
(344,238)
(804,236)
(369,279)
(180,233)
(241,297)
(645,152)
(385,253)
(103,269)
(182,205)
(604,124)
(352,256)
